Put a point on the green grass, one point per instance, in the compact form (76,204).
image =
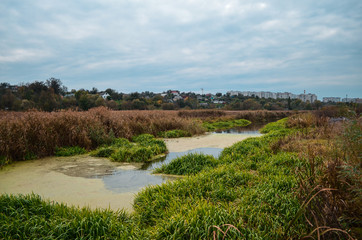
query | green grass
(249,186)
(144,147)
(280,125)
(69,151)
(30,217)
(174,134)
(3,161)
(191,163)
(219,125)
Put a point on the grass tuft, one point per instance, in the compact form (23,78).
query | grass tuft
(191,163)
(69,151)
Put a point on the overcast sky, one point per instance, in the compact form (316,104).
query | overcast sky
(156,45)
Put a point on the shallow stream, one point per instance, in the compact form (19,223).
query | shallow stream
(99,183)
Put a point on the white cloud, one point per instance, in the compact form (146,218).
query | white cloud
(23,55)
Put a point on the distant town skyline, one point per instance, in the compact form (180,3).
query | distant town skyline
(219,46)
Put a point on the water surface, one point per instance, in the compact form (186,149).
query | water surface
(122,180)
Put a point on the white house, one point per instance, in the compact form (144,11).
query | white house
(105,95)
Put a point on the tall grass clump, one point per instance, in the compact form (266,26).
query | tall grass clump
(189,164)
(143,148)
(226,124)
(39,134)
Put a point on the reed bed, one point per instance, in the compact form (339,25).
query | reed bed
(301,180)
(37,134)
(257,116)
(201,113)
(261,116)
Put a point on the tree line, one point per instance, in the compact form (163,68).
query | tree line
(52,95)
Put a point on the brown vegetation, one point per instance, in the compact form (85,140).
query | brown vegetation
(37,134)
(331,183)
(262,116)
(201,113)
(258,116)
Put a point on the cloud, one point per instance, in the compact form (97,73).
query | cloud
(155,44)
(23,55)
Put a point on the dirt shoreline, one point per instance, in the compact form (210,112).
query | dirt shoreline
(73,180)
(210,140)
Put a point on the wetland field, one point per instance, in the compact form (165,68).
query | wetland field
(180,175)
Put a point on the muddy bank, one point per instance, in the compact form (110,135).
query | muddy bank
(71,180)
(210,140)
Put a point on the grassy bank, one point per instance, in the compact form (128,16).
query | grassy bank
(300,179)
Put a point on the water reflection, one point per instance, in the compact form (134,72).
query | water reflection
(170,156)
(252,129)
(133,180)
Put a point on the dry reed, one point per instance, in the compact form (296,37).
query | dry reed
(37,134)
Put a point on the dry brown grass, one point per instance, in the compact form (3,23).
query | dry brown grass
(258,116)
(261,116)
(201,113)
(333,156)
(37,134)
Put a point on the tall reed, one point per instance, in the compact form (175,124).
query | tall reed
(37,134)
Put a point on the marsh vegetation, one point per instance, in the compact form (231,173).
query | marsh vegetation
(301,179)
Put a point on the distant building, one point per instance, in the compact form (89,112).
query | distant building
(233,93)
(308,97)
(104,95)
(175,93)
(285,95)
(331,99)
(177,97)
(351,100)
(13,88)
